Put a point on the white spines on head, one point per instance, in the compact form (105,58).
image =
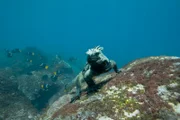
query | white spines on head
(94,50)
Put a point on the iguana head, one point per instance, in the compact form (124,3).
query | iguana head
(94,51)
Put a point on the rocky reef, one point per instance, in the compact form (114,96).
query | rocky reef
(13,103)
(26,88)
(146,89)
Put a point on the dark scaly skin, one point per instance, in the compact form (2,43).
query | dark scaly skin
(95,66)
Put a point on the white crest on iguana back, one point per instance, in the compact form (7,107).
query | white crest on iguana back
(94,50)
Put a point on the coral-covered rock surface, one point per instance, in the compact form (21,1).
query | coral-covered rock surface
(146,89)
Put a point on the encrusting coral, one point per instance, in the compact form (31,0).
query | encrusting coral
(147,88)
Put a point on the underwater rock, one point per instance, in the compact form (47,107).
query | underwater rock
(13,104)
(30,84)
(146,89)
(40,89)
(64,68)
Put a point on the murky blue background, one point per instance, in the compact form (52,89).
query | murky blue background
(127,29)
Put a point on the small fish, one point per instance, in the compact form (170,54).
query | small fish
(54,78)
(55,73)
(45,86)
(43,65)
(31,53)
(9,54)
(46,67)
(42,86)
(29,60)
(16,50)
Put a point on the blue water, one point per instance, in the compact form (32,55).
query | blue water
(127,29)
